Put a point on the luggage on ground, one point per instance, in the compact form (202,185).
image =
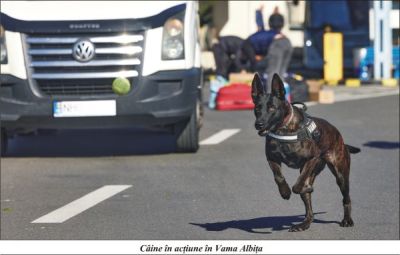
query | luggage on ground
(298,88)
(236,96)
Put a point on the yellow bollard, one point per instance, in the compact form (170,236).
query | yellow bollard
(353,83)
(333,58)
(390,82)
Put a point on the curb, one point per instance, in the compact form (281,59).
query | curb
(355,83)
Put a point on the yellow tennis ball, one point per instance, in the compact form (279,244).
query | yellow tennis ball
(121,86)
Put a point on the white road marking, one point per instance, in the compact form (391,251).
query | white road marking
(219,137)
(76,207)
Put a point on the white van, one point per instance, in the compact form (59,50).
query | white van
(59,60)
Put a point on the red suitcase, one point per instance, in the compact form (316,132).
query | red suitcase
(236,96)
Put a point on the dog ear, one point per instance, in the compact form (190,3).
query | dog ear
(257,88)
(277,87)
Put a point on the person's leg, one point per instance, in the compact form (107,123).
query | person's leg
(222,60)
(261,66)
(274,61)
(278,58)
(287,55)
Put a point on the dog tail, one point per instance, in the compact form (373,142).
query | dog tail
(352,149)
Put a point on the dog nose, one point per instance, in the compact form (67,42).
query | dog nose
(258,125)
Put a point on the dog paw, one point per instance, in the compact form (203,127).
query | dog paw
(300,227)
(285,192)
(347,222)
(297,189)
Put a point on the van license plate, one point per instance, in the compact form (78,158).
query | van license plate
(84,108)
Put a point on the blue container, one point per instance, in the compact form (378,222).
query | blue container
(287,91)
(367,63)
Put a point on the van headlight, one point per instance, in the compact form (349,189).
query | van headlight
(173,39)
(3,52)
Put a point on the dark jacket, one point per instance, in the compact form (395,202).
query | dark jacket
(230,44)
(261,41)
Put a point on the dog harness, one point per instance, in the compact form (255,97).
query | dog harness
(308,128)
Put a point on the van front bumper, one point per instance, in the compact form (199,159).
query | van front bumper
(162,99)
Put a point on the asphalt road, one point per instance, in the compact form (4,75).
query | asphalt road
(225,191)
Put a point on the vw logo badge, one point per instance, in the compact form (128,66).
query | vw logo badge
(83,50)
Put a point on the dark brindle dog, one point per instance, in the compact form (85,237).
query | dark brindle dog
(302,142)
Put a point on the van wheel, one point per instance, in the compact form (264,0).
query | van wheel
(188,138)
(4,142)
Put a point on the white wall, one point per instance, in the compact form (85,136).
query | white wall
(242,19)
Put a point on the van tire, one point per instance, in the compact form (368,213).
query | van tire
(4,142)
(188,139)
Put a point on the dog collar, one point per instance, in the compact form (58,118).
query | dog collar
(291,138)
(307,131)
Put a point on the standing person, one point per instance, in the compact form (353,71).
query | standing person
(280,50)
(268,51)
(255,47)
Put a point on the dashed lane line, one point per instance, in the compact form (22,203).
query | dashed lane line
(219,137)
(76,207)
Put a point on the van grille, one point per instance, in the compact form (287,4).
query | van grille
(56,72)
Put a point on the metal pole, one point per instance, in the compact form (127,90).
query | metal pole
(382,40)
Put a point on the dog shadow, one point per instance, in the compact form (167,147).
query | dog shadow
(274,223)
(386,145)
